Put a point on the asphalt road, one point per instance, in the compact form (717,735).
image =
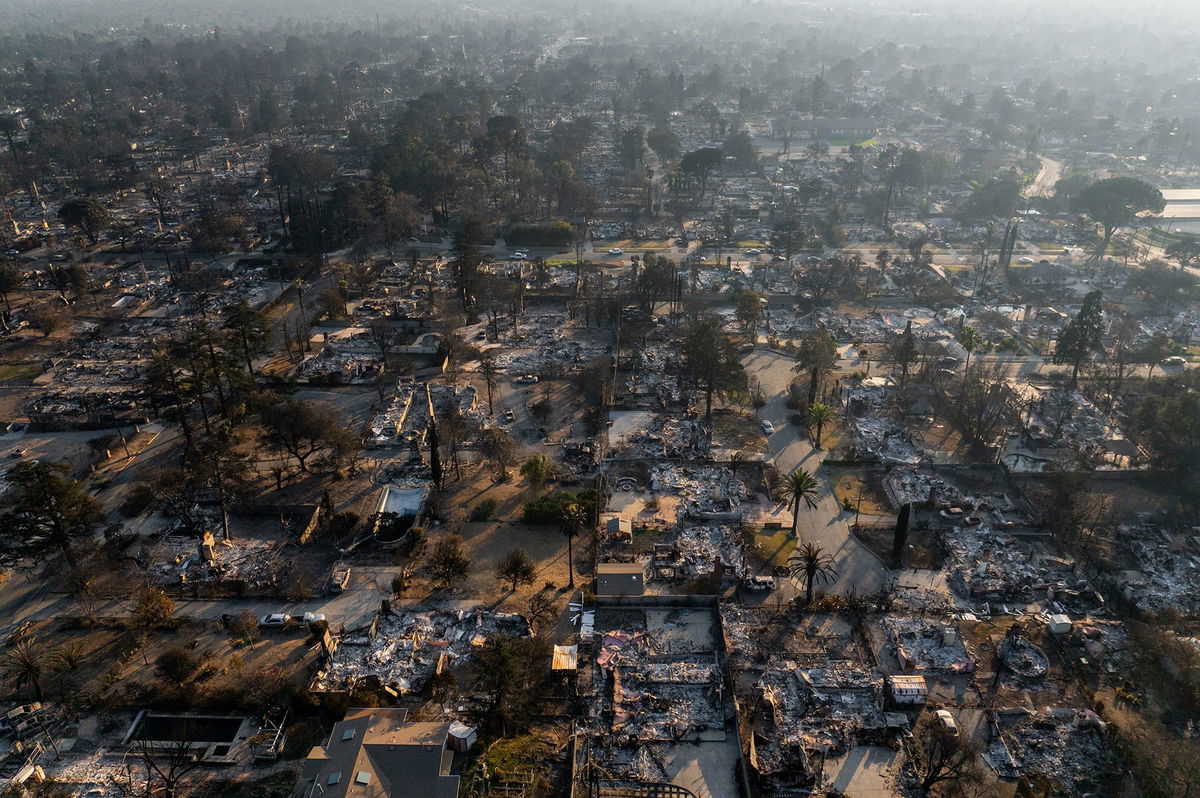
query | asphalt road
(827,526)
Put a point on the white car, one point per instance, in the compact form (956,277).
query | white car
(616,251)
(947,721)
(1025,260)
(273,621)
(768,428)
(754,253)
(1174,360)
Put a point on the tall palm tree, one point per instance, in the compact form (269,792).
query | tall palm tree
(819,414)
(799,487)
(813,565)
(572,521)
(24,664)
(968,338)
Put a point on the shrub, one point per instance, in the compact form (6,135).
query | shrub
(483,511)
(545,234)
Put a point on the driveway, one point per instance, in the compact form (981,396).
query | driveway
(859,570)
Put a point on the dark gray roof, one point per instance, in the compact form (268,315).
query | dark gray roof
(375,753)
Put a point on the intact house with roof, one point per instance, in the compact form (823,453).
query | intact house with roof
(376,753)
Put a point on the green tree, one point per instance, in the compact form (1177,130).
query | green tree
(1186,250)
(812,565)
(86,214)
(968,339)
(710,359)
(1082,336)
(251,329)
(799,488)
(47,511)
(538,469)
(817,354)
(517,568)
(819,415)
(1117,202)
(749,312)
(701,163)
(152,608)
(511,673)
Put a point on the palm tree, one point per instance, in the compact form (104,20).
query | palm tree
(813,565)
(799,487)
(538,470)
(24,664)
(819,414)
(572,521)
(968,338)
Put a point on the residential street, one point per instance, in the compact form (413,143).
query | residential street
(859,570)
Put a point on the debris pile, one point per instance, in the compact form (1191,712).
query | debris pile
(921,645)
(1168,568)
(1065,745)
(403,650)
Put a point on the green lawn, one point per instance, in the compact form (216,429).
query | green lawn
(10,372)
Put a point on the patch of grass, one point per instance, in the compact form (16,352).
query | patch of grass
(13,372)
(772,547)
(518,753)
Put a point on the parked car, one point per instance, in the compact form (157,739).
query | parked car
(339,578)
(510,416)
(616,251)
(1025,260)
(275,620)
(768,428)
(1174,360)
(947,721)
(526,379)
(759,583)
(313,617)
(19,452)
(754,253)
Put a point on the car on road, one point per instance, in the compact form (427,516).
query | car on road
(759,583)
(275,620)
(510,416)
(753,253)
(616,251)
(1025,260)
(779,258)
(18,452)
(948,362)
(526,379)
(1174,360)
(314,617)
(768,428)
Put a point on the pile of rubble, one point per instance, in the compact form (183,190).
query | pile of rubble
(1168,568)
(698,549)
(997,567)
(402,650)
(921,645)
(1067,746)
(183,559)
(658,695)
(886,440)
(806,711)
(710,493)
